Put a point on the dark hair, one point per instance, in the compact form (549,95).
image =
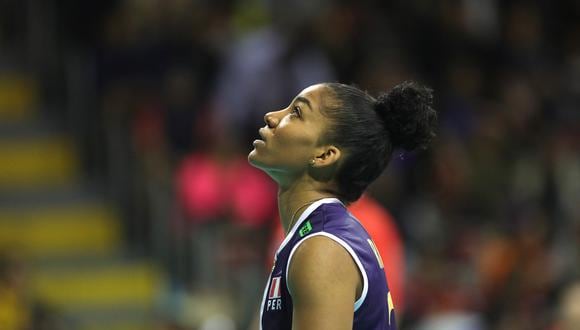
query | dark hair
(370,129)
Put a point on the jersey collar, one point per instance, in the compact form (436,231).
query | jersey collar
(303,217)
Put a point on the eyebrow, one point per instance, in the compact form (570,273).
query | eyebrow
(304,100)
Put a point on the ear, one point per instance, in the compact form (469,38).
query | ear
(329,155)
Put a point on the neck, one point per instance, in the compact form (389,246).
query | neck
(294,198)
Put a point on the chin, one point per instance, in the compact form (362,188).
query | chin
(255,161)
(252,159)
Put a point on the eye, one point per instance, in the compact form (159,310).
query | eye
(297,111)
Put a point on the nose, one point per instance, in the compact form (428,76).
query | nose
(270,119)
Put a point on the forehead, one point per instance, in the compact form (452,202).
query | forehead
(312,91)
(315,95)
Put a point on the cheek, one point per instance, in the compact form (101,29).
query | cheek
(294,140)
(293,147)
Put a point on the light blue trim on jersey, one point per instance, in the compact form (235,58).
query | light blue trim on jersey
(350,251)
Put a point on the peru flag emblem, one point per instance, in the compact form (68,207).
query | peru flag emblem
(274,288)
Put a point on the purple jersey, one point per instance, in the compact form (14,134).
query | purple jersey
(329,217)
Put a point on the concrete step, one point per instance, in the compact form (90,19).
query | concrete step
(42,231)
(27,162)
(89,289)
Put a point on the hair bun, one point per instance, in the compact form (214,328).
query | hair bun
(408,115)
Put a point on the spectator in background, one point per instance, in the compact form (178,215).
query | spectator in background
(267,64)
(227,205)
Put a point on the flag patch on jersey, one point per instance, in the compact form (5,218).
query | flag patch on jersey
(274,288)
(305,229)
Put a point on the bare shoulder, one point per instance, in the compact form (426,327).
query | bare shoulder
(324,281)
(320,263)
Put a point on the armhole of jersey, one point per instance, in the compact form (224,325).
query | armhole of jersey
(353,255)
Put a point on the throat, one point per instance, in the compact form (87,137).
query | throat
(292,205)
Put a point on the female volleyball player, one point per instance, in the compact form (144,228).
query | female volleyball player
(323,150)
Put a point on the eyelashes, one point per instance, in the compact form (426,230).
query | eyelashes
(297,111)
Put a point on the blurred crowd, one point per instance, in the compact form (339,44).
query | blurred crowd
(489,215)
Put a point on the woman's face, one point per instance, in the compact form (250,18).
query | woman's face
(291,137)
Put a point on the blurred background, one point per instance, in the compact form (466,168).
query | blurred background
(126,201)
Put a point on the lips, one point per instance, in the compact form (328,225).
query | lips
(262,141)
(262,134)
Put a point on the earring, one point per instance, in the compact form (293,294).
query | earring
(312,162)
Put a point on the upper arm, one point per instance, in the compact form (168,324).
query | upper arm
(323,280)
